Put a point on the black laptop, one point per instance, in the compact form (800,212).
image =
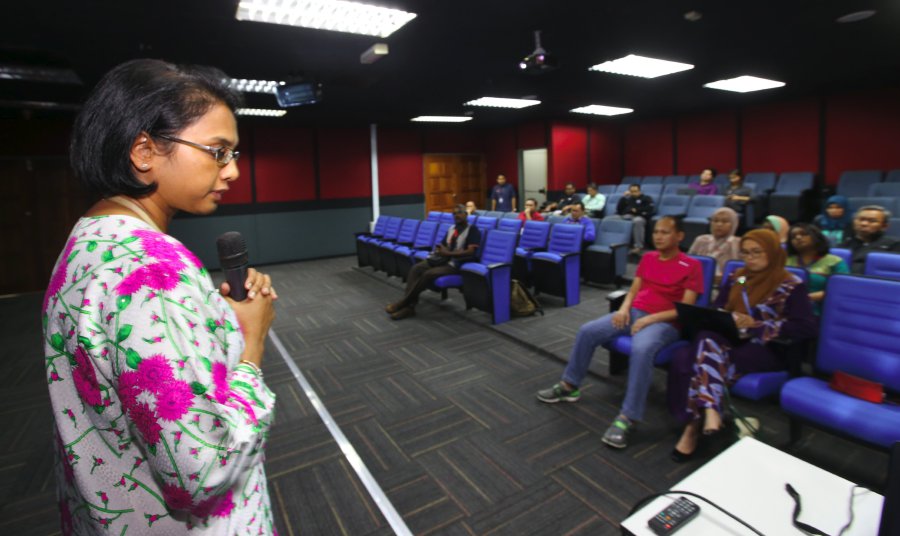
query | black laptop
(695,319)
(890,513)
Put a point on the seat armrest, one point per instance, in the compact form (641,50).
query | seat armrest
(618,245)
(615,299)
(497,265)
(793,350)
(569,254)
(362,233)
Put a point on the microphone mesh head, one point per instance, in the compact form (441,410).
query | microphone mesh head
(232,250)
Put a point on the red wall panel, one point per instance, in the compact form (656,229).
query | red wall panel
(707,140)
(605,146)
(648,148)
(863,130)
(344,163)
(501,155)
(283,162)
(453,140)
(780,137)
(568,156)
(399,162)
(532,135)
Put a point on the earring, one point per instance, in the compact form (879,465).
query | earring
(145,165)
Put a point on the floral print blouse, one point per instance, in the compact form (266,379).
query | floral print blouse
(159,429)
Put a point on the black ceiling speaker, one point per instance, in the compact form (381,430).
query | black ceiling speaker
(540,61)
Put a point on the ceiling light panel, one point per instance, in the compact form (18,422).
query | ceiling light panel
(499,102)
(260,112)
(744,84)
(599,109)
(254,86)
(644,67)
(441,119)
(334,15)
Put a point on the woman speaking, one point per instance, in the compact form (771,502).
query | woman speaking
(161,410)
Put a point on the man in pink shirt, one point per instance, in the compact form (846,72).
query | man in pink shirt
(664,276)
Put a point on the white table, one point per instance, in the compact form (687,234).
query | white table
(748,480)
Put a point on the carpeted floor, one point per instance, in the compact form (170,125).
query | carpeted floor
(440,407)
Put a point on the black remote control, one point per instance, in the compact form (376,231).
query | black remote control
(674,516)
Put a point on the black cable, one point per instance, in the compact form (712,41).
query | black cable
(648,498)
(852,496)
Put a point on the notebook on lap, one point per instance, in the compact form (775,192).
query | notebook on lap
(695,319)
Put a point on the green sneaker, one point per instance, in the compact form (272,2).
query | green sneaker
(617,434)
(558,394)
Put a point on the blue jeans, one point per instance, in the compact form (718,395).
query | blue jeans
(644,347)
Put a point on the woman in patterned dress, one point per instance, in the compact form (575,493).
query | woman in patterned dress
(766,302)
(162,414)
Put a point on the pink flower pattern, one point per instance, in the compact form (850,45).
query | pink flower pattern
(151,387)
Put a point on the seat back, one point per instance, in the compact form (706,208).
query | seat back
(408,230)
(883,264)
(510,216)
(510,224)
(674,179)
(673,205)
(893,176)
(380,224)
(486,223)
(534,234)
(856,183)
(556,218)
(499,247)
(606,189)
(631,179)
(859,326)
(692,179)
(854,203)
(651,179)
(622,188)
(652,189)
(480,212)
(893,227)
(392,229)
(884,189)
(795,182)
(703,206)
(613,231)
(708,266)
(425,234)
(764,181)
(472,218)
(441,233)
(446,217)
(494,214)
(434,215)
(842,253)
(612,201)
(565,238)
(672,189)
(734,264)
(721,181)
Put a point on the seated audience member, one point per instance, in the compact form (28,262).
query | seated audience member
(766,302)
(779,225)
(737,195)
(576,216)
(706,185)
(456,249)
(663,277)
(531,211)
(835,221)
(808,248)
(638,208)
(594,201)
(869,225)
(720,244)
(470,207)
(503,196)
(562,206)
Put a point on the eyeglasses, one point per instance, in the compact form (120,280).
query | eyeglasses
(223,155)
(752,253)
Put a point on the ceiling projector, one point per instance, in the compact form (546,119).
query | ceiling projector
(539,61)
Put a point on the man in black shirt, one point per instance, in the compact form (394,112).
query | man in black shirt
(564,205)
(458,247)
(638,208)
(869,225)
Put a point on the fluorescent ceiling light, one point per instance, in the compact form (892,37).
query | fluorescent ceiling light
(262,112)
(39,74)
(599,109)
(743,84)
(644,67)
(334,15)
(254,86)
(441,119)
(499,102)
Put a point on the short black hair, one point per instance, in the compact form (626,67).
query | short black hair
(711,169)
(579,203)
(592,185)
(820,243)
(677,222)
(572,184)
(142,95)
(459,208)
(634,185)
(737,172)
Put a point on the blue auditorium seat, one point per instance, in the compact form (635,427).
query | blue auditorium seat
(856,183)
(556,218)
(447,217)
(612,203)
(424,241)
(651,179)
(434,215)
(494,214)
(391,231)
(486,283)
(439,235)
(510,216)
(510,224)
(472,218)
(884,189)
(363,254)
(673,205)
(764,181)
(674,179)
(699,212)
(557,271)
(855,203)
(480,212)
(859,326)
(882,264)
(405,237)
(788,198)
(893,176)
(605,260)
(722,182)
(622,188)
(606,189)
(534,238)
(653,189)
(631,179)
(843,253)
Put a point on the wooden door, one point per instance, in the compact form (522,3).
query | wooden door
(452,179)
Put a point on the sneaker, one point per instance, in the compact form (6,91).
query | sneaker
(558,394)
(403,313)
(392,308)
(617,434)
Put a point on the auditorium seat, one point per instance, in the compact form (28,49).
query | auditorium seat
(652,189)
(612,202)
(496,214)
(631,179)
(883,264)
(510,215)
(433,215)
(650,180)
(553,219)
(721,181)
(789,198)
(622,188)
(439,236)
(764,181)
(884,189)
(391,232)
(893,176)
(734,264)
(673,205)
(424,241)
(859,326)
(363,255)
(889,203)
(606,189)
(699,212)
(486,283)
(674,179)
(480,212)
(605,260)
(557,271)
(405,237)
(447,217)
(510,224)
(534,238)
(392,226)
(856,183)
(842,253)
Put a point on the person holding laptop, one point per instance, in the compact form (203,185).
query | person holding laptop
(766,301)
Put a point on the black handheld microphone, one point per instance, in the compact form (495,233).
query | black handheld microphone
(234,262)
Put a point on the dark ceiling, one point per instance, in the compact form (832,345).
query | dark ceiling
(458,50)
